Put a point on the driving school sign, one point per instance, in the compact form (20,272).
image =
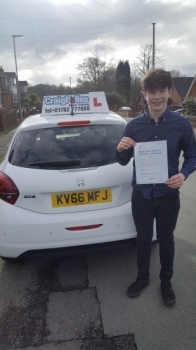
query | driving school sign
(81,103)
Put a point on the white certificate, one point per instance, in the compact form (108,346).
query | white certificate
(151,163)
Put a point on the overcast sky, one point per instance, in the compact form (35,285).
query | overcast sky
(59,34)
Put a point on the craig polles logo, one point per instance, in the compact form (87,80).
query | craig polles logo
(66,100)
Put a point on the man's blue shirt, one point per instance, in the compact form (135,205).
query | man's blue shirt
(179,134)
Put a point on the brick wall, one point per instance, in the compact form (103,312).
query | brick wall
(192,93)
(6,94)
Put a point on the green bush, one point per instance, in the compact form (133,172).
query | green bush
(190,106)
(115,98)
(192,119)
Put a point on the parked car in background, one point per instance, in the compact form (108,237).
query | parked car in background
(60,185)
(125,109)
(180,111)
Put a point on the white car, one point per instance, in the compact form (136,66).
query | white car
(60,185)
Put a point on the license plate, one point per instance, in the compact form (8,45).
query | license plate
(68,199)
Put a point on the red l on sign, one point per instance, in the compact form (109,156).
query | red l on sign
(96,104)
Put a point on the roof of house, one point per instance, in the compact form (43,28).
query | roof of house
(23,82)
(10,74)
(182,85)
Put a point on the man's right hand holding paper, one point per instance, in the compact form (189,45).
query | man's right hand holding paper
(125,144)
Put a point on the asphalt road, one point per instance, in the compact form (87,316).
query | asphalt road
(80,302)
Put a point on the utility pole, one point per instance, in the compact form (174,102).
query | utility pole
(17,83)
(70,86)
(153,47)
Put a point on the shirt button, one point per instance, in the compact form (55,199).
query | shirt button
(155,137)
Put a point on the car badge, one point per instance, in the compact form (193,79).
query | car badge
(80,181)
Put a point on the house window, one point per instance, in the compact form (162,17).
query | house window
(12,82)
(23,88)
(6,81)
(15,98)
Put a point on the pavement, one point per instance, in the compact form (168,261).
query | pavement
(47,304)
(4,142)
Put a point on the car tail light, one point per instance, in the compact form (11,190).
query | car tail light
(87,227)
(8,190)
(74,122)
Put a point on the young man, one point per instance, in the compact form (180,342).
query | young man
(158,201)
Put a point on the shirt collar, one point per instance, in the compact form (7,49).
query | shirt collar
(164,116)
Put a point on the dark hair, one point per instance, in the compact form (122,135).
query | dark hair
(156,78)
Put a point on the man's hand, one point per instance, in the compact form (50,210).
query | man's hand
(125,143)
(176,181)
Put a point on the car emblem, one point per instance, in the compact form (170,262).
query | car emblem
(80,181)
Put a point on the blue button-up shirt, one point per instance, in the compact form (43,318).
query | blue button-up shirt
(179,134)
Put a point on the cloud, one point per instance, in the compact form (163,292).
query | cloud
(59,34)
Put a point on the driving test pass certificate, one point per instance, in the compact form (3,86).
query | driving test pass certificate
(151,163)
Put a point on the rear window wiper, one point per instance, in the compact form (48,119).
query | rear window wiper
(57,163)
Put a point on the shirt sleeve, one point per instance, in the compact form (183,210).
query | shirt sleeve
(124,157)
(188,146)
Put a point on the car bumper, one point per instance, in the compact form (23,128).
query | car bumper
(22,230)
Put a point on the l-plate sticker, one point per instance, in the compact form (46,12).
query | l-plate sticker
(96,103)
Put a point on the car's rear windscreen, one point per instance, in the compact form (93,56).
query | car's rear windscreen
(67,147)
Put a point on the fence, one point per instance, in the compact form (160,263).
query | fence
(8,120)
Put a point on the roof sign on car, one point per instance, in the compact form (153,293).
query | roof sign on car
(94,102)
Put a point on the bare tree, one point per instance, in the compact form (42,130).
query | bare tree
(144,60)
(176,73)
(97,74)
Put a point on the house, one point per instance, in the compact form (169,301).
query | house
(8,90)
(6,98)
(183,87)
(11,79)
(23,85)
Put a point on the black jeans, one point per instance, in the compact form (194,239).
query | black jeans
(165,210)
